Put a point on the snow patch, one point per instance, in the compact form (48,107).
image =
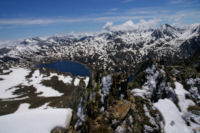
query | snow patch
(150,84)
(139,92)
(174,122)
(86,80)
(80,114)
(46,91)
(12,99)
(106,83)
(35,121)
(76,81)
(120,129)
(16,77)
(65,79)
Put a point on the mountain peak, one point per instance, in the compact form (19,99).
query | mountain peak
(167,27)
(166,30)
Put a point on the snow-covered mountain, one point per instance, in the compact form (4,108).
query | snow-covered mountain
(105,48)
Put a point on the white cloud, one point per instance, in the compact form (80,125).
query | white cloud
(117,18)
(130,25)
(65,20)
(107,26)
(114,9)
(184,17)
(36,21)
(150,13)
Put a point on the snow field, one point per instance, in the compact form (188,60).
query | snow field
(17,76)
(174,122)
(35,121)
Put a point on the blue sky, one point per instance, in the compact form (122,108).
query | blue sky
(29,18)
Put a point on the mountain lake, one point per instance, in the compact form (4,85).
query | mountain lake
(76,69)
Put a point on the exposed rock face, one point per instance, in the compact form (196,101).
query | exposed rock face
(114,114)
(120,110)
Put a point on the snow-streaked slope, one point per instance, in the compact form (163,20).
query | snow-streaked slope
(46,91)
(35,121)
(106,84)
(176,113)
(16,77)
(152,76)
(181,94)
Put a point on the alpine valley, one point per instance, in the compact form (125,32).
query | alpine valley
(142,80)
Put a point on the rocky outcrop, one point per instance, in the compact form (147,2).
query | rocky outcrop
(118,111)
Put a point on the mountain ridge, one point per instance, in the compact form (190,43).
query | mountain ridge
(105,49)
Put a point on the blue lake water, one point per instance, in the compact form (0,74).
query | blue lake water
(76,69)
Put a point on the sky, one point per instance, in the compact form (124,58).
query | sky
(31,18)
